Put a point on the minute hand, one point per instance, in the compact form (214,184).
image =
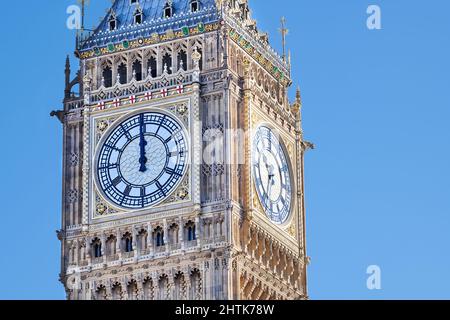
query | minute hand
(142,144)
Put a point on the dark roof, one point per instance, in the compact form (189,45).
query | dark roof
(153,20)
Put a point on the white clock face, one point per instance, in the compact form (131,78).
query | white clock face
(142,160)
(272,175)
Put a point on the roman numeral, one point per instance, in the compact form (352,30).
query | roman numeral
(116,181)
(161,122)
(127,191)
(172,172)
(109,166)
(168,140)
(160,188)
(126,133)
(113,148)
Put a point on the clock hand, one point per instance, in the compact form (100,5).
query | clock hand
(269,189)
(143,159)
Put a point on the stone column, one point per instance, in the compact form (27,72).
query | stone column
(166,231)
(197,231)
(88,250)
(103,241)
(208,282)
(118,246)
(159,66)
(174,60)
(134,243)
(181,233)
(150,239)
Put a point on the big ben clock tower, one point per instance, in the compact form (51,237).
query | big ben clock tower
(182,159)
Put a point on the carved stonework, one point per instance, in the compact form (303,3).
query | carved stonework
(102,125)
(181,110)
(206,236)
(182,193)
(102,209)
(292,231)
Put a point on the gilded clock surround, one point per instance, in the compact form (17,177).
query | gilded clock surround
(104,123)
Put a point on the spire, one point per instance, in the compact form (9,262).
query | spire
(83,3)
(298,97)
(284,32)
(297,105)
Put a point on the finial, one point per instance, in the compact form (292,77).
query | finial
(284,33)
(83,3)
(67,62)
(297,105)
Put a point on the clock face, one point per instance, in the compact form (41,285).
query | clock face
(272,175)
(142,160)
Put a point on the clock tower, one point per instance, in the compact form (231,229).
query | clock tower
(183,159)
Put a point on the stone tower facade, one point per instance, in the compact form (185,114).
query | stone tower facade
(138,223)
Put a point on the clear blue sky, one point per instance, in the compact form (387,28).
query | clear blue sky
(376,105)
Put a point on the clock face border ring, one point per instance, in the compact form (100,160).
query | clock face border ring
(117,122)
(293,178)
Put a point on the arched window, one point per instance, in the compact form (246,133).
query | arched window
(195,5)
(122,71)
(128,245)
(190,228)
(97,248)
(112,22)
(191,232)
(128,242)
(167,63)
(182,60)
(107,76)
(159,237)
(137,70)
(151,63)
(168,10)
(138,16)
